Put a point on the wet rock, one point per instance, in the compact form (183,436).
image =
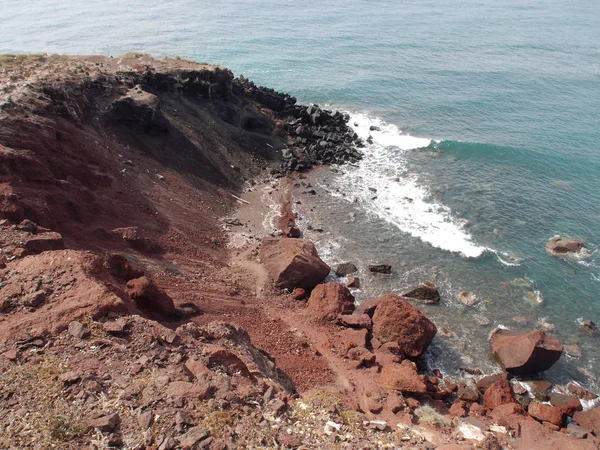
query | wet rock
(329,300)
(588,325)
(402,377)
(497,394)
(149,298)
(345,269)
(590,419)
(568,404)
(426,292)
(381,268)
(558,246)
(396,320)
(353,282)
(356,321)
(293,263)
(540,389)
(44,242)
(467,298)
(525,352)
(546,413)
(580,392)
(106,424)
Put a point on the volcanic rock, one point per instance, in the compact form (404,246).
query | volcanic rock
(356,321)
(345,269)
(558,246)
(402,377)
(589,419)
(139,106)
(525,352)
(44,242)
(396,320)
(426,292)
(467,298)
(484,383)
(546,413)
(149,298)
(106,424)
(293,263)
(329,300)
(368,306)
(381,268)
(569,404)
(353,282)
(118,266)
(497,394)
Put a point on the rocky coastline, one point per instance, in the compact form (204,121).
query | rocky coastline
(144,305)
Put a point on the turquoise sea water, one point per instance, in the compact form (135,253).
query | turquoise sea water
(509,92)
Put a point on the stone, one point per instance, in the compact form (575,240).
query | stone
(11,355)
(467,298)
(149,298)
(588,325)
(115,326)
(106,424)
(568,404)
(368,306)
(590,419)
(426,292)
(558,246)
(484,383)
(459,408)
(299,294)
(468,394)
(139,107)
(289,440)
(509,415)
(329,300)
(498,394)
(381,268)
(361,356)
(356,321)
(44,242)
(146,419)
(402,377)
(34,299)
(118,266)
(525,352)
(353,282)
(345,269)
(197,369)
(293,263)
(540,389)
(70,377)
(576,431)
(396,320)
(78,330)
(580,392)
(546,413)
(193,437)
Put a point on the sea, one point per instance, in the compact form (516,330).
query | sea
(484,117)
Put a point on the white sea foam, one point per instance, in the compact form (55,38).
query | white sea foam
(383,187)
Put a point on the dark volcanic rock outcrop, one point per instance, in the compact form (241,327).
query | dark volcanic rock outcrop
(293,263)
(426,292)
(525,352)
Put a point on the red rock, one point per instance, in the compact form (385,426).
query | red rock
(345,269)
(567,403)
(329,300)
(426,292)
(581,392)
(402,377)
(106,424)
(353,282)
(44,242)
(560,246)
(546,413)
(353,338)
(525,352)
(396,320)
(477,410)
(540,389)
(293,263)
(356,321)
(197,369)
(455,447)
(70,377)
(299,294)
(118,266)
(289,441)
(498,394)
(509,415)
(459,408)
(11,355)
(468,394)
(194,435)
(395,403)
(149,298)
(536,436)
(362,356)
(590,419)
(368,306)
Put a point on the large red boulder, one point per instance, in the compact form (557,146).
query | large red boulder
(329,300)
(402,377)
(499,393)
(293,263)
(525,352)
(546,413)
(149,298)
(396,320)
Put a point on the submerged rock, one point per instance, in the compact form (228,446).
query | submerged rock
(525,352)
(345,269)
(559,246)
(467,298)
(293,263)
(396,320)
(426,292)
(381,268)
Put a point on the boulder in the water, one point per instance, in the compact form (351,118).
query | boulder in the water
(525,352)
(467,298)
(559,246)
(381,268)
(345,269)
(426,292)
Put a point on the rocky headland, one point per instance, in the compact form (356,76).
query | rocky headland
(143,304)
